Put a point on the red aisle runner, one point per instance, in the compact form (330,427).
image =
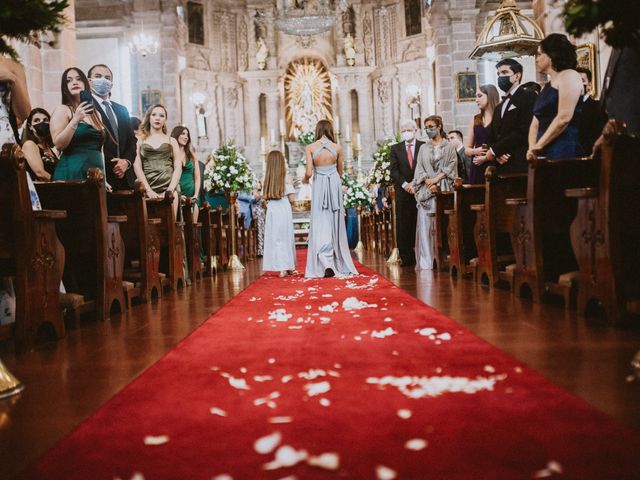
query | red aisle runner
(388,389)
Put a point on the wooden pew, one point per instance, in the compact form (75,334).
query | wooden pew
(193,240)
(30,252)
(171,236)
(142,245)
(540,231)
(222,236)
(209,240)
(494,220)
(92,242)
(444,202)
(462,247)
(606,231)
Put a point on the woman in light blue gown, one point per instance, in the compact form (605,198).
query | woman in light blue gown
(328,253)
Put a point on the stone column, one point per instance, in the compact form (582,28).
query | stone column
(366,127)
(274,115)
(463,39)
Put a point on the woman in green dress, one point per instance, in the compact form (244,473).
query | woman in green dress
(77,130)
(157,164)
(190,178)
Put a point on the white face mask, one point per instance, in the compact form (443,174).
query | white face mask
(407,136)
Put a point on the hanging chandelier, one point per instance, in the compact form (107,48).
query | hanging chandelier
(143,44)
(306,18)
(507,34)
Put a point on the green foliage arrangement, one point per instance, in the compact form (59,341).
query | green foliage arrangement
(619,20)
(25,20)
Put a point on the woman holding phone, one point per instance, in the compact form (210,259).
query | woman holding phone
(77,129)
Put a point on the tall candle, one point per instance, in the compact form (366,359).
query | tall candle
(263,145)
(273,137)
(358,139)
(281,127)
(337,123)
(347,135)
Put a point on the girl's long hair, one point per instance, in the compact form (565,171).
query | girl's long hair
(27,134)
(67,99)
(175,133)
(493,99)
(274,177)
(324,128)
(145,127)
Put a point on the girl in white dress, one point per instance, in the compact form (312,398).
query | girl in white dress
(279,241)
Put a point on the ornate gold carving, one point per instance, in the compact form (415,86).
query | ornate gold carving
(307,95)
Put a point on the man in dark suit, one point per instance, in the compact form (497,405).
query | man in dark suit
(508,138)
(464,163)
(592,118)
(403,157)
(621,87)
(120,144)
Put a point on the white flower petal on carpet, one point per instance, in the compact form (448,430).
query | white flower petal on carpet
(155,440)
(268,443)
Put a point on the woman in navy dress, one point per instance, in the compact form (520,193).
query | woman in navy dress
(554,129)
(487,98)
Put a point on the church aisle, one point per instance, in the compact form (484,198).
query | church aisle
(344,378)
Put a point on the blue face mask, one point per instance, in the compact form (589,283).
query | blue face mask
(101,86)
(431,132)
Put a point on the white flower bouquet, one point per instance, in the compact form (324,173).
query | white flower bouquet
(380,173)
(306,137)
(356,194)
(227,169)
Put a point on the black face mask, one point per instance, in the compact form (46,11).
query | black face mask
(504,83)
(42,130)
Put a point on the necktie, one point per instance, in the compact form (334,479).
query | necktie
(410,154)
(114,125)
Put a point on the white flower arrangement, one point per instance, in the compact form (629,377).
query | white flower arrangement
(356,194)
(227,169)
(380,173)
(306,137)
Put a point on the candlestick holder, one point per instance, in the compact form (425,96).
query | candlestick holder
(348,156)
(394,258)
(234,261)
(9,385)
(360,246)
(358,150)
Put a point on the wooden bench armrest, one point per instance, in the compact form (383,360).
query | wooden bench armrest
(154,200)
(431,214)
(50,214)
(512,175)
(449,211)
(477,207)
(516,201)
(117,218)
(473,187)
(154,221)
(122,193)
(588,192)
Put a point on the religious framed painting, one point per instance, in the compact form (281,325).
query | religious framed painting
(149,97)
(466,85)
(586,54)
